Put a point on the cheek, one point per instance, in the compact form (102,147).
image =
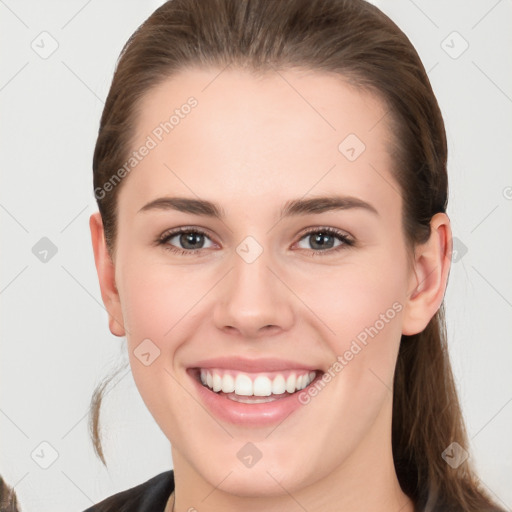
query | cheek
(359,295)
(360,307)
(158,311)
(156,298)
(157,304)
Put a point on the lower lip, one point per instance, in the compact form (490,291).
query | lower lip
(255,415)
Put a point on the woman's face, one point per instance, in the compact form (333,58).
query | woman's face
(281,283)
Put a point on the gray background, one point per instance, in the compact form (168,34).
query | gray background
(55,341)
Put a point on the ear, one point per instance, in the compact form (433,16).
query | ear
(428,280)
(106,275)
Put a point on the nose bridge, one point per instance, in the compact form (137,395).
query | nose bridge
(252,297)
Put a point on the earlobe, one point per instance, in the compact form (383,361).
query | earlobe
(429,277)
(106,275)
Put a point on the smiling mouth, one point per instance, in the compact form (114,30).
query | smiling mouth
(254,388)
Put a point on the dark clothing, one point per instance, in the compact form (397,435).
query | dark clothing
(151,496)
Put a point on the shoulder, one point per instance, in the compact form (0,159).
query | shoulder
(150,496)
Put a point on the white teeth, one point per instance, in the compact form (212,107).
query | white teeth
(217,382)
(228,384)
(290,383)
(243,385)
(262,386)
(278,385)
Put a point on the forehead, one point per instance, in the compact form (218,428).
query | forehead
(278,135)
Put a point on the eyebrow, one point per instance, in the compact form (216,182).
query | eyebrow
(315,205)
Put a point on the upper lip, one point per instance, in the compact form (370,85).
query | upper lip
(253,365)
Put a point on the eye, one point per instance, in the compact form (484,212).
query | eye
(191,241)
(323,240)
(185,240)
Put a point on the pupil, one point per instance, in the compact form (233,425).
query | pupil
(187,240)
(321,240)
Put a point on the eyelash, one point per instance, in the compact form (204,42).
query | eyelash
(165,237)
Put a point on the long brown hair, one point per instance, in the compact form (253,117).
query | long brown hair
(355,40)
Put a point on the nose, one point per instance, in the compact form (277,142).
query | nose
(253,301)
